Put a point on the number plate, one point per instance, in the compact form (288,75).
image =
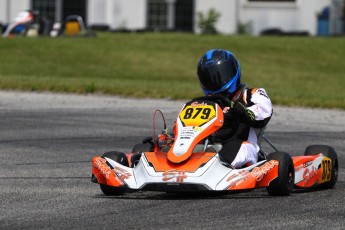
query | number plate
(197,114)
(326,168)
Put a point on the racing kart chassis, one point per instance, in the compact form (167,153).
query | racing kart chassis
(193,165)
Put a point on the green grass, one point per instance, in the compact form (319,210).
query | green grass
(294,70)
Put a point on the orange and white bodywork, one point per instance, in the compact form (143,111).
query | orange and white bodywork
(187,168)
(196,121)
(311,171)
(202,172)
(183,168)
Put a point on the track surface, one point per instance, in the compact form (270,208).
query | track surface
(47,141)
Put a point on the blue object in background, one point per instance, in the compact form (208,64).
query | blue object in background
(19,29)
(323,27)
(323,22)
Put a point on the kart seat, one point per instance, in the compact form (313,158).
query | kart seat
(210,148)
(260,132)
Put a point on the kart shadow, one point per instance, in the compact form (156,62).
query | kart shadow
(228,195)
(145,195)
(300,191)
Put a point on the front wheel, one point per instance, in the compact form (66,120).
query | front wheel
(121,158)
(284,183)
(112,191)
(329,152)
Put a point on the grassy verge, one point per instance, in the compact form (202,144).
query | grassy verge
(294,71)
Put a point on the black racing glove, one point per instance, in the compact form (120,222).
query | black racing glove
(240,110)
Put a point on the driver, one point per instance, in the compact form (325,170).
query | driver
(219,73)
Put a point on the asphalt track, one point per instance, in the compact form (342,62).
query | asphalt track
(48,140)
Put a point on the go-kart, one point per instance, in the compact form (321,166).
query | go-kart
(192,163)
(21,24)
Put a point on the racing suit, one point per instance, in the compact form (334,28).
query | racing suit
(252,108)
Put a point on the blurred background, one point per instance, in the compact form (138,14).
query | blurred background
(309,17)
(150,48)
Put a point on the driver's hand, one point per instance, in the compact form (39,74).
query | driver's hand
(240,110)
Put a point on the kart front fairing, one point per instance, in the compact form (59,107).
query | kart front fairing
(205,173)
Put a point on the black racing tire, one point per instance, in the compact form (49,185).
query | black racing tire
(329,152)
(112,191)
(284,183)
(121,158)
(135,158)
(142,147)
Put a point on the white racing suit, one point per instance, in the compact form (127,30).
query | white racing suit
(237,135)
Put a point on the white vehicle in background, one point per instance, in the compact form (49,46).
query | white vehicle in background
(22,25)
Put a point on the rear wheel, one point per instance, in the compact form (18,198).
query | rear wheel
(284,183)
(121,158)
(142,147)
(329,152)
(137,150)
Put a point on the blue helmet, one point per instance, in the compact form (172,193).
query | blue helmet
(219,71)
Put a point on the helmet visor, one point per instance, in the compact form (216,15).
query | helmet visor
(216,76)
